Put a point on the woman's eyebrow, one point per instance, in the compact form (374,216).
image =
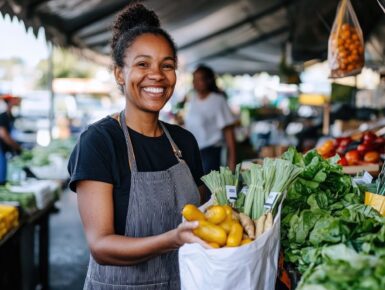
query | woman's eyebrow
(148,56)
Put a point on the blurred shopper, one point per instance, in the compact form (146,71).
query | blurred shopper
(132,173)
(7,143)
(210,120)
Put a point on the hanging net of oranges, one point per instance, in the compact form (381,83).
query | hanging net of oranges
(346,43)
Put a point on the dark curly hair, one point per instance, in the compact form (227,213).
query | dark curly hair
(133,21)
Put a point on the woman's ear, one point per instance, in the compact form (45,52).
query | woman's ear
(118,72)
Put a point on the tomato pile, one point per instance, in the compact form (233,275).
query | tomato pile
(366,150)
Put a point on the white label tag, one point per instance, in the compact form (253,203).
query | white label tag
(367,177)
(270,200)
(244,190)
(359,180)
(231,192)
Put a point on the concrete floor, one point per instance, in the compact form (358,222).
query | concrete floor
(68,249)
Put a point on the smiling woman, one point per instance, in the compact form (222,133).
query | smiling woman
(134,174)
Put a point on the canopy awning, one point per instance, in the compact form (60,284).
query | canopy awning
(232,36)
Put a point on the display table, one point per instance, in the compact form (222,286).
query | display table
(24,252)
(373,169)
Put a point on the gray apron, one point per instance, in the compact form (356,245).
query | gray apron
(155,203)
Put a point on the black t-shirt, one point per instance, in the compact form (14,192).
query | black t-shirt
(101,155)
(6,121)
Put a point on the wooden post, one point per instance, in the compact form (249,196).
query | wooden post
(52,93)
(326,120)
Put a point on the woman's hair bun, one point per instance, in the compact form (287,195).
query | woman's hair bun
(134,15)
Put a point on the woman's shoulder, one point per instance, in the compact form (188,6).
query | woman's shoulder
(106,127)
(217,97)
(178,132)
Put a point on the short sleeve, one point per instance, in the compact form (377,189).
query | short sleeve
(90,160)
(224,116)
(197,170)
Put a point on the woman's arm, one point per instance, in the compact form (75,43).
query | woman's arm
(231,147)
(6,137)
(96,211)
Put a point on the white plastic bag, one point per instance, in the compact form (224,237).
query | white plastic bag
(249,267)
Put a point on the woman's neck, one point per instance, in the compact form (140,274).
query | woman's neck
(145,123)
(203,95)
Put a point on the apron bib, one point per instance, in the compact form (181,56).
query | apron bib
(155,203)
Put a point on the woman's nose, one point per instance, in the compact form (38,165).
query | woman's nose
(156,73)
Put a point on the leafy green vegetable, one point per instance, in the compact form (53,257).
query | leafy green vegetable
(325,207)
(344,269)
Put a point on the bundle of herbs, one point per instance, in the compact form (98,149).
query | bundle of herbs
(380,182)
(216,182)
(275,175)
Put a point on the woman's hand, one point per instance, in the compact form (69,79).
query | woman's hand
(184,234)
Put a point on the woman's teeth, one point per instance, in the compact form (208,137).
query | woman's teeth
(154,90)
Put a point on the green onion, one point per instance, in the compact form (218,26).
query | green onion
(216,181)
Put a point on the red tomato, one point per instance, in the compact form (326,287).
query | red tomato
(326,149)
(341,149)
(352,157)
(372,157)
(343,161)
(366,147)
(380,140)
(362,148)
(369,137)
(328,145)
(345,141)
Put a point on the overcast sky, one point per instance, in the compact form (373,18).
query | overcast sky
(18,43)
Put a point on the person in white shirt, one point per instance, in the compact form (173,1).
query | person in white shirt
(209,118)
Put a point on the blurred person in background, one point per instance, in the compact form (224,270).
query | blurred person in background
(209,118)
(7,143)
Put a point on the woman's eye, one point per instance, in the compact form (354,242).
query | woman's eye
(168,66)
(142,64)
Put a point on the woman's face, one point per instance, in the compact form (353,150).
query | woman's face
(148,76)
(199,82)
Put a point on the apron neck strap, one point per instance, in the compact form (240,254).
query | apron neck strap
(175,148)
(130,148)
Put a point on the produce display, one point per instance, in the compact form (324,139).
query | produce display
(42,162)
(375,194)
(26,200)
(9,219)
(325,207)
(366,149)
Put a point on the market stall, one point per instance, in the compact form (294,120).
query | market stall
(36,179)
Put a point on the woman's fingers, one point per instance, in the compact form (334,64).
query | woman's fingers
(189,226)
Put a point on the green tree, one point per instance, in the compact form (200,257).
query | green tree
(66,64)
